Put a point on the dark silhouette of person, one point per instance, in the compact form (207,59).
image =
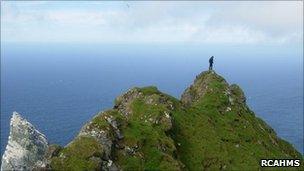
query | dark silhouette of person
(211,63)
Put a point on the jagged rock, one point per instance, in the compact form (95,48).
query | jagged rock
(26,146)
(238,92)
(102,128)
(122,103)
(207,129)
(109,166)
(103,136)
(114,125)
(52,150)
(200,86)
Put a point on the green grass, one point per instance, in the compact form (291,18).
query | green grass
(101,123)
(201,135)
(155,147)
(149,90)
(78,155)
(212,138)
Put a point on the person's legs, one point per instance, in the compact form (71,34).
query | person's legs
(210,66)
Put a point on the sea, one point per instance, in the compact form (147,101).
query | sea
(58,87)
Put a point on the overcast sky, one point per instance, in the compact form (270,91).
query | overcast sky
(141,22)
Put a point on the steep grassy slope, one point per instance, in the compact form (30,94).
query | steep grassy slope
(219,131)
(210,128)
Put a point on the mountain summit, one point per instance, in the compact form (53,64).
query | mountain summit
(209,128)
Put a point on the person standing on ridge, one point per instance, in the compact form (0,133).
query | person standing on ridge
(211,63)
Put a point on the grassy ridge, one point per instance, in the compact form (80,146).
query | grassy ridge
(210,128)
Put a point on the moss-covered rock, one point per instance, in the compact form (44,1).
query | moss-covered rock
(83,153)
(210,128)
(224,133)
(146,141)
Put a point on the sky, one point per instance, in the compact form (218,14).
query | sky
(249,22)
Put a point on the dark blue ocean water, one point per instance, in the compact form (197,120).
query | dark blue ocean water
(59,87)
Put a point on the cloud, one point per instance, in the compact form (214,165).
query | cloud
(76,18)
(271,17)
(205,22)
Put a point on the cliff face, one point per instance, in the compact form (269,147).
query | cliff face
(26,146)
(210,128)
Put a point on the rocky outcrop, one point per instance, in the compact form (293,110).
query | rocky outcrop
(26,146)
(140,120)
(210,128)
(200,86)
(122,103)
(101,128)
